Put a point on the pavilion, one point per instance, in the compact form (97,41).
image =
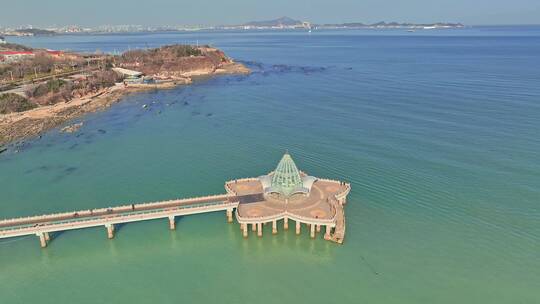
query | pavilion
(281,195)
(290,194)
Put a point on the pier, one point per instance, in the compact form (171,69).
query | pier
(283,195)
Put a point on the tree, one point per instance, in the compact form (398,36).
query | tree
(11,102)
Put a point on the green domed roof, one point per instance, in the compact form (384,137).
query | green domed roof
(286,177)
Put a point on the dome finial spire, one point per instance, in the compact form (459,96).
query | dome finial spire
(286,177)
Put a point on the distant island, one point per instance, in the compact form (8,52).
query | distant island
(27,32)
(279,22)
(289,23)
(41,89)
(282,23)
(390,25)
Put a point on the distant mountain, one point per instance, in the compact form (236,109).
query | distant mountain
(26,32)
(289,23)
(353,24)
(36,32)
(396,24)
(384,24)
(283,21)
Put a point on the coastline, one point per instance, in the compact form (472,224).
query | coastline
(23,125)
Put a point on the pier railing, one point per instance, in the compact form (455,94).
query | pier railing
(231,190)
(113,215)
(285,214)
(110,210)
(116,218)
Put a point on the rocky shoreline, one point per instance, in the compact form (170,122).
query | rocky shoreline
(23,125)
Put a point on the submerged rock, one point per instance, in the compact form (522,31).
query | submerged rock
(72,128)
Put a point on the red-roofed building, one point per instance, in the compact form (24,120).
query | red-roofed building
(12,56)
(61,54)
(56,54)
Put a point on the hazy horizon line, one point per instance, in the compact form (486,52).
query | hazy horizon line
(44,26)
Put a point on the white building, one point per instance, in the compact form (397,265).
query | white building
(13,56)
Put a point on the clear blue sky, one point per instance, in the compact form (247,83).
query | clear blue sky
(214,12)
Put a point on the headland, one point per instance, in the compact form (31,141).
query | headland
(42,89)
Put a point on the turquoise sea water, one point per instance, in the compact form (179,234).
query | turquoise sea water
(438,132)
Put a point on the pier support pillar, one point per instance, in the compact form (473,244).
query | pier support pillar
(318,228)
(312,231)
(328,232)
(229,216)
(172,223)
(286,223)
(259,229)
(253,227)
(298,228)
(274,227)
(47,236)
(245,230)
(42,240)
(110,230)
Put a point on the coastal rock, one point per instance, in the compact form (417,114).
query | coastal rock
(72,128)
